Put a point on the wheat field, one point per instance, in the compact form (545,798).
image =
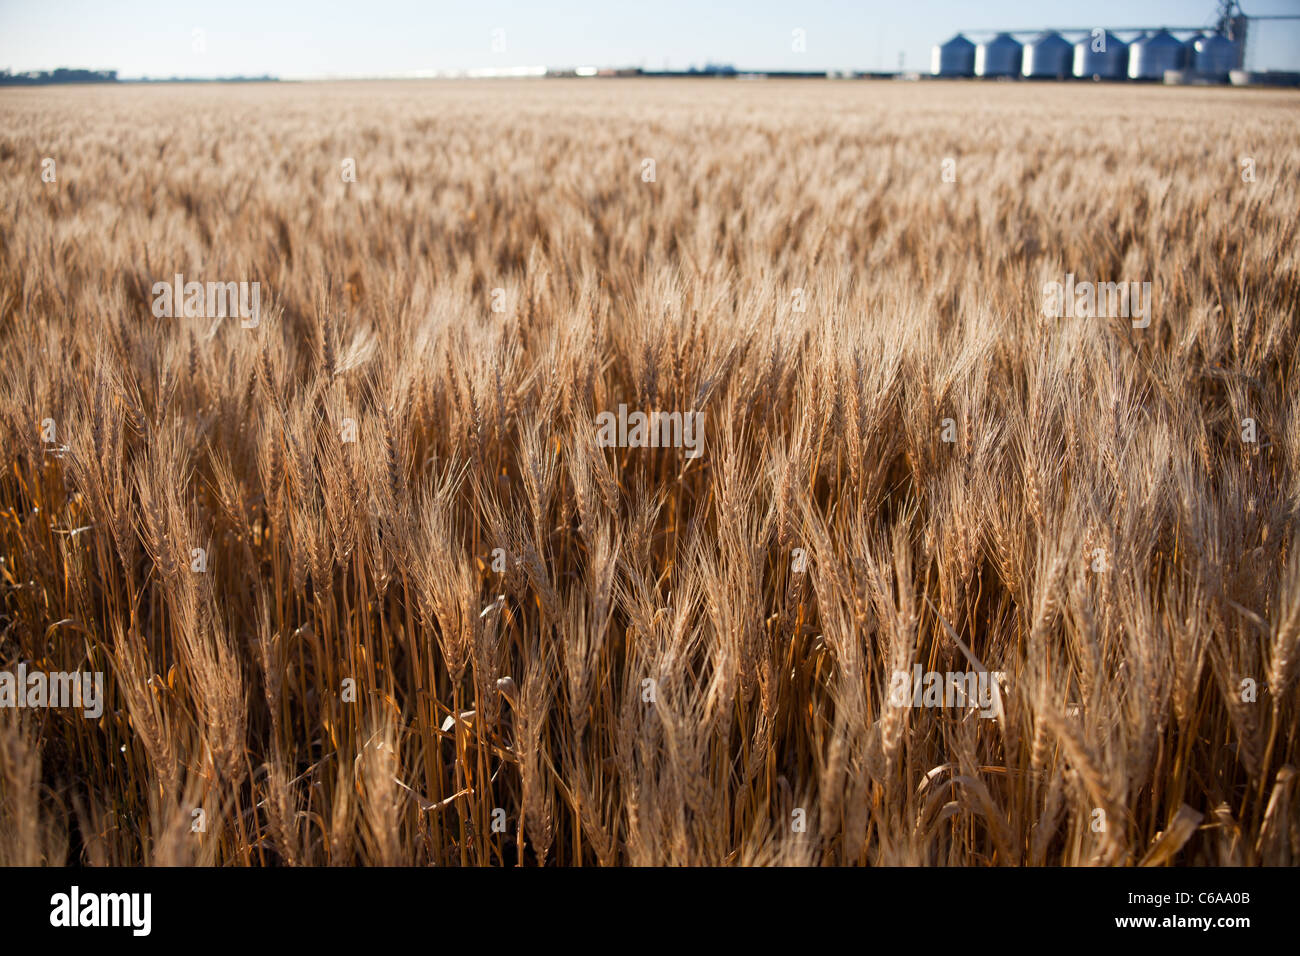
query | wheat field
(366,588)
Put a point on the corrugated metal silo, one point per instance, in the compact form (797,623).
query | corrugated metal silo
(1000,56)
(1132,45)
(1109,63)
(954,58)
(1149,57)
(1189,50)
(1048,56)
(1216,55)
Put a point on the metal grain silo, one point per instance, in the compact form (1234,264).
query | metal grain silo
(1149,57)
(1132,45)
(1048,56)
(1189,50)
(1108,63)
(954,58)
(998,57)
(1216,55)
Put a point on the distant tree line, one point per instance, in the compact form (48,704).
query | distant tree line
(65,76)
(61,75)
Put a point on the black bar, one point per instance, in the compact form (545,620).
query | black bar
(223,907)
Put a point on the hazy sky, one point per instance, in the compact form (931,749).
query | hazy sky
(307,38)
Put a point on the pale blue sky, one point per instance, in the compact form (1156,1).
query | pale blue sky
(309,38)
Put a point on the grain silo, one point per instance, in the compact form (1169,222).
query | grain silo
(954,58)
(1150,56)
(1132,45)
(1189,50)
(1216,55)
(1101,57)
(998,57)
(1048,57)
